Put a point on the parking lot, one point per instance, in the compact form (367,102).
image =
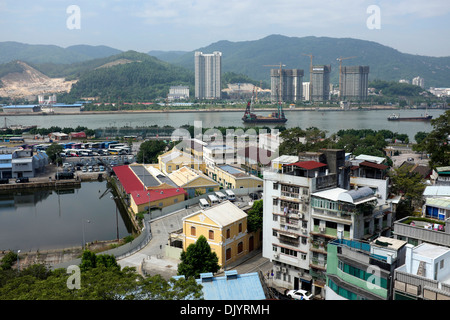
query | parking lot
(91,164)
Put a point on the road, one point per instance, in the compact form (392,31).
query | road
(152,260)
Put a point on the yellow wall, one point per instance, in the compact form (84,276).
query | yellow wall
(175,164)
(229,181)
(219,244)
(156,204)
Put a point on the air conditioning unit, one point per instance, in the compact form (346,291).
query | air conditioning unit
(322,229)
(277,268)
(300,215)
(300,274)
(304,230)
(283,270)
(276,255)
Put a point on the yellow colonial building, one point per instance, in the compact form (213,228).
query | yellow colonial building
(193,181)
(225,227)
(175,159)
(231,177)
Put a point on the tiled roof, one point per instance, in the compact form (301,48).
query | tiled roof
(142,196)
(308,165)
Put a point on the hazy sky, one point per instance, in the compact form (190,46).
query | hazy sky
(410,26)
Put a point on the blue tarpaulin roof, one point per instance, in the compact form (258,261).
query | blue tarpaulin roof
(232,286)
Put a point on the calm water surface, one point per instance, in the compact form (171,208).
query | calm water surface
(332,121)
(47,219)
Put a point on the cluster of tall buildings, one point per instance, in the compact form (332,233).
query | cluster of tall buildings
(286,84)
(417,81)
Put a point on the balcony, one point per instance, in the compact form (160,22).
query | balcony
(317,263)
(417,228)
(332,213)
(329,232)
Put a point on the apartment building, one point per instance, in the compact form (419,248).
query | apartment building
(208,72)
(309,203)
(288,86)
(355,81)
(362,270)
(338,213)
(425,274)
(287,216)
(320,83)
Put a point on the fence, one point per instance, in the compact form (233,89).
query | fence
(120,252)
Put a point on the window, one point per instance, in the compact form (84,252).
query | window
(228,254)
(193,231)
(211,235)
(275,186)
(240,227)
(442,264)
(240,247)
(228,233)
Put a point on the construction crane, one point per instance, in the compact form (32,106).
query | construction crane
(280,87)
(340,74)
(310,74)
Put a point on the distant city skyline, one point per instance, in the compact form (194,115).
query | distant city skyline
(414,27)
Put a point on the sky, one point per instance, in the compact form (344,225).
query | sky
(410,26)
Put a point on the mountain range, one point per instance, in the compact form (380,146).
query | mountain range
(252,57)
(134,73)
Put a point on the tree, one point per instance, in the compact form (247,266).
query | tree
(198,258)
(53,152)
(255,216)
(100,282)
(90,260)
(410,185)
(149,151)
(436,143)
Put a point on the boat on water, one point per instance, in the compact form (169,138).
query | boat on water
(396,117)
(275,117)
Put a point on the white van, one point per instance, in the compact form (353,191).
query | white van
(204,204)
(221,196)
(212,199)
(230,195)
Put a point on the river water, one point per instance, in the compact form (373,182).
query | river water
(47,219)
(331,121)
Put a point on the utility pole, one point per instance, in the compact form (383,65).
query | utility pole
(340,74)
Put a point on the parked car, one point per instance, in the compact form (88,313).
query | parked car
(253,196)
(22,180)
(299,294)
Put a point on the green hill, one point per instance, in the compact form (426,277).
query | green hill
(31,53)
(250,58)
(138,77)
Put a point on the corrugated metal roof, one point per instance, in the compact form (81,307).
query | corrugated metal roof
(232,286)
(437,191)
(128,179)
(443,202)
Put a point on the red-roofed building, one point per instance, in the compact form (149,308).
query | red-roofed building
(128,180)
(308,165)
(138,195)
(159,198)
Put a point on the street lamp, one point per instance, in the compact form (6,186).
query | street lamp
(82,223)
(18,262)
